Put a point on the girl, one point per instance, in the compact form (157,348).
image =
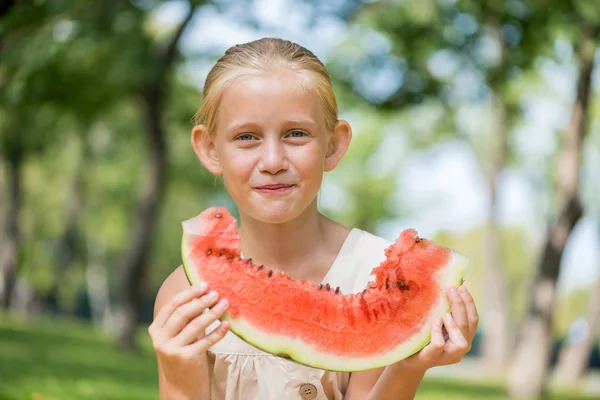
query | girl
(269,126)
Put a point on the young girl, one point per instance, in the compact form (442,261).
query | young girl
(269,126)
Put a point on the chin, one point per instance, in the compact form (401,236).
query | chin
(275,213)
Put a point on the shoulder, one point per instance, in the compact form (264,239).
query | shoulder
(370,244)
(362,251)
(175,283)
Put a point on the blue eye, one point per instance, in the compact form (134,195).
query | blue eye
(297,134)
(245,136)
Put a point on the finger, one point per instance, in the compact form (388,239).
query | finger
(459,311)
(471,308)
(445,333)
(455,334)
(436,345)
(186,312)
(197,327)
(181,298)
(209,340)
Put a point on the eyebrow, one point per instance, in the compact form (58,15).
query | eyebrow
(293,121)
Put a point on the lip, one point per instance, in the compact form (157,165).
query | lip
(274,189)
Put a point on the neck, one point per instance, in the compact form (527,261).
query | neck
(292,247)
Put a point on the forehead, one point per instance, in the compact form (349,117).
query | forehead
(269,98)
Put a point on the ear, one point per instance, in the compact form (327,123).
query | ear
(204,146)
(338,144)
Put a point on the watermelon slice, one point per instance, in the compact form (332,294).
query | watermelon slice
(316,325)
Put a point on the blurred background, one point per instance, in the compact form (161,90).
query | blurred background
(476,122)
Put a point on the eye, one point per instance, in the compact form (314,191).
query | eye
(245,136)
(297,134)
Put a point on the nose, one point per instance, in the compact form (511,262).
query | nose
(273,157)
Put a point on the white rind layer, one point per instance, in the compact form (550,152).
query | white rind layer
(304,353)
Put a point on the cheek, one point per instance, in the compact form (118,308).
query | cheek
(309,164)
(237,168)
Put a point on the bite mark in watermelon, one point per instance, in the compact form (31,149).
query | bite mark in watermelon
(317,325)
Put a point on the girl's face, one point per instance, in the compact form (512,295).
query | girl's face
(271,145)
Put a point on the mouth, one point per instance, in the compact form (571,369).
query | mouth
(277,188)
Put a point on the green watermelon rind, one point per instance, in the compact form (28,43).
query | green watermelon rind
(452,274)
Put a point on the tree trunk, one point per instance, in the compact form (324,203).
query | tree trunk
(497,341)
(134,268)
(10,235)
(69,245)
(574,358)
(497,338)
(529,371)
(96,278)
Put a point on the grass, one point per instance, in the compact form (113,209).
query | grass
(65,360)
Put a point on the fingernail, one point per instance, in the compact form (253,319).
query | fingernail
(462,289)
(213,295)
(201,286)
(224,304)
(453,291)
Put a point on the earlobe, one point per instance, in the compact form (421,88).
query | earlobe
(338,145)
(205,149)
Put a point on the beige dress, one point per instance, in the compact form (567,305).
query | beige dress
(240,371)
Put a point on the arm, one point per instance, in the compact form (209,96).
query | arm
(393,382)
(401,380)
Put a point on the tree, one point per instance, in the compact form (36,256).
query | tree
(152,94)
(532,357)
(46,76)
(419,34)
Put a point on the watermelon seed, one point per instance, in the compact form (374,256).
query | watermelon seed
(222,252)
(248,261)
(218,215)
(417,239)
(328,287)
(209,252)
(261,267)
(337,290)
(270,273)
(402,285)
(387,284)
(231,256)
(320,286)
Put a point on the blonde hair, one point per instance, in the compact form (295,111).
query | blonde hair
(257,57)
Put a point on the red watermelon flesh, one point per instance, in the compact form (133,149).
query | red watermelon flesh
(317,325)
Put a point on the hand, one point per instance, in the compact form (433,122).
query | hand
(179,339)
(450,346)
